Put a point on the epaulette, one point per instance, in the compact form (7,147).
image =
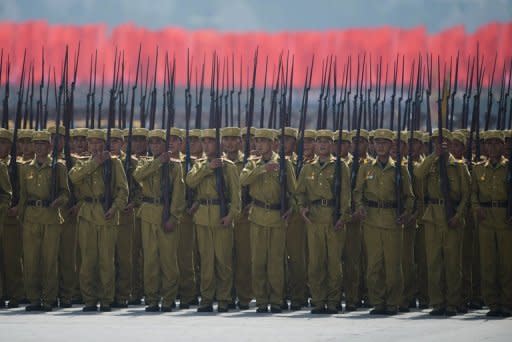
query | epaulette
(175,160)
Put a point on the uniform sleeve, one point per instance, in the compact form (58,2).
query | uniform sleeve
(5,188)
(346,196)
(301,190)
(465,188)
(146,169)
(251,172)
(359,188)
(63,195)
(407,191)
(120,192)
(292,183)
(234,191)
(422,170)
(178,192)
(80,171)
(197,173)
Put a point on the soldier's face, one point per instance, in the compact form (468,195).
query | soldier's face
(195,145)
(363,145)
(264,146)
(42,148)
(175,144)
(79,145)
(95,145)
(60,141)
(323,146)
(5,148)
(417,147)
(209,147)
(139,145)
(309,146)
(26,146)
(456,148)
(156,146)
(231,144)
(495,148)
(438,143)
(345,148)
(115,146)
(393,150)
(382,147)
(289,145)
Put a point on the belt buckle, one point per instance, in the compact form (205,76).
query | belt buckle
(157,201)
(323,202)
(208,201)
(38,203)
(380,204)
(267,206)
(441,201)
(495,204)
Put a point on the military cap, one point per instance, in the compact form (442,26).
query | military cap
(25,133)
(126,132)
(116,133)
(418,135)
(345,136)
(140,132)
(508,134)
(275,132)
(384,133)
(195,133)
(446,133)
(96,134)
(251,131)
(463,131)
(458,136)
(78,132)
(363,133)
(264,133)
(371,134)
(208,133)
(426,137)
(157,133)
(494,134)
(176,132)
(5,134)
(404,136)
(53,129)
(230,132)
(310,133)
(44,136)
(324,133)
(289,132)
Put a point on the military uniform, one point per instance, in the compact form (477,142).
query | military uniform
(376,192)
(215,242)
(489,194)
(315,187)
(96,235)
(160,248)
(5,203)
(268,238)
(443,243)
(42,226)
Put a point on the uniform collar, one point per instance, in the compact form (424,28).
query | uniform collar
(47,162)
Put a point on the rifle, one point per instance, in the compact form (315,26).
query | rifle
(337,168)
(188,113)
(165,179)
(502,95)
(25,112)
(398,164)
(273,101)
(5,103)
(377,95)
(321,95)
(232,123)
(455,83)
(152,107)
(290,93)
(199,99)
(249,122)
(120,95)
(443,170)
(128,158)
(303,116)
(93,93)
(31,106)
(335,118)
(88,97)
(393,95)
(359,92)
(490,95)
(282,169)
(505,102)
(239,94)
(384,97)
(262,111)
(428,91)
(100,104)
(164,92)
(143,98)
(55,154)
(107,165)
(13,164)
(39,104)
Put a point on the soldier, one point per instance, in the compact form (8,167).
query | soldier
(139,146)
(97,228)
(489,202)
(160,239)
(231,143)
(268,227)
(11,244)
(5,199)
(376,204)
(326,238)
(214,233)
(354,258)
(443,235)
(42,222)
(123,255)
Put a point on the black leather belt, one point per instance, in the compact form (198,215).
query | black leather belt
(494,204)
(152,200)
(93,200)
(266,205)
(440,201)
(323,202)
(209,201)
(39,203)
(381,204)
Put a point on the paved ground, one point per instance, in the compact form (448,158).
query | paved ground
(133,324)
